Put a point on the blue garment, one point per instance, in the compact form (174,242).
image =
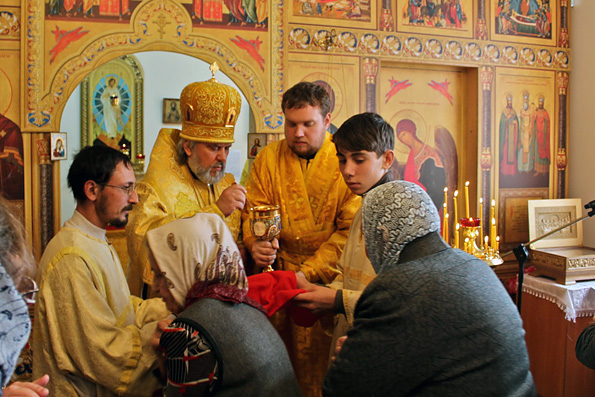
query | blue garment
(15,325)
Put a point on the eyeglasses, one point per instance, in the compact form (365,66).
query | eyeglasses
(30,295)
(129,189)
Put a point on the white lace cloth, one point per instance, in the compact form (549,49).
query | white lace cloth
(576,300)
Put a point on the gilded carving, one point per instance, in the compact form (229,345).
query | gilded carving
(562,79)
(561,159)
(486,159)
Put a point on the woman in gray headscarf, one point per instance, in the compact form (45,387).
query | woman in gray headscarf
(435,321)
(221,342)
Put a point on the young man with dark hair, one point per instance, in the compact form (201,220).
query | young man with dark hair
(365,145)
(91,336)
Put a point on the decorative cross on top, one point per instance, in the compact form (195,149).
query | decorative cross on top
(214,68)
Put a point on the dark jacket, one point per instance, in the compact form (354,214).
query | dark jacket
(251,359)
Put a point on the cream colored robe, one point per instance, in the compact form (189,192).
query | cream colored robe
(317,208)
(90,335)
(356,272)
(168,191)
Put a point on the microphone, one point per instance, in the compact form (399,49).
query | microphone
(590,206)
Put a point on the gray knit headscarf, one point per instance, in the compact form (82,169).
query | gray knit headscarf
(395,214)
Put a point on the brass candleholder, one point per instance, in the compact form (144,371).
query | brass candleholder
(470,228)
(265,224)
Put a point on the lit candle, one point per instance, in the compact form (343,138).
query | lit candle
(480,217)
(467,199)
(446,228)
(445,200)
(485,244)
(492,222)
(456,208)
(497,247)
(457,235)
(493,233)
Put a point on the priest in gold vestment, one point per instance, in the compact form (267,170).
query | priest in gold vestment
(186,173)
(301,174)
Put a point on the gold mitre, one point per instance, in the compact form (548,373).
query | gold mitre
(210,110)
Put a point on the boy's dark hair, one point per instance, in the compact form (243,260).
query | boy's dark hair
(304,94)
(365,131)
(93,163)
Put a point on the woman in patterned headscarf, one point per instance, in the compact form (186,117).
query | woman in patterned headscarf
(16,290)
(221,342)
(435,321)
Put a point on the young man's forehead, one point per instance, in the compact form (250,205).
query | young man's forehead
(347,153)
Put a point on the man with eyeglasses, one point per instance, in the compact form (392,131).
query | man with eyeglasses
(91,336)
(186,173)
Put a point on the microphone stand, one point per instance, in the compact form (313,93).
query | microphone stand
(522,254)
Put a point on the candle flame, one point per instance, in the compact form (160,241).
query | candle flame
(493,203)
(456,193)
(467,183)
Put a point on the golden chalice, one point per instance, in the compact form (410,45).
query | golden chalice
(265,224)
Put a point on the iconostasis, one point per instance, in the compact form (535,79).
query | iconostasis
(482,82)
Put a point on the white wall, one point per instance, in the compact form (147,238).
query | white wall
(581,151)
(166,74)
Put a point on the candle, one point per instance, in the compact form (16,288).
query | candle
(485,244)
(457,235)
(444,214)
(493,233)
(497,247)
(492,216)
(480,217)
(446,228)
(467,199)
(455,205)
(445,200)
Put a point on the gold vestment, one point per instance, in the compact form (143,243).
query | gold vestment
(316,209)
(168,191)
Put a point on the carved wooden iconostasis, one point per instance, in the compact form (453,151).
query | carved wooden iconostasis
(446,65)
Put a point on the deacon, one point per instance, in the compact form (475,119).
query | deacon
(90,335)
(186,173)
(301,174)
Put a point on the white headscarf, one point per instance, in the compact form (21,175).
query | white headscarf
(395,214)
(199,254)
(15,325)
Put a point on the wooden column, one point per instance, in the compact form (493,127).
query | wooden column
(370,73)
(561,157)
(486,159)
(46,192)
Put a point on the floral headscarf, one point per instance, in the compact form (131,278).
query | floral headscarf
(394,215)
(15,325)
(200,259)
